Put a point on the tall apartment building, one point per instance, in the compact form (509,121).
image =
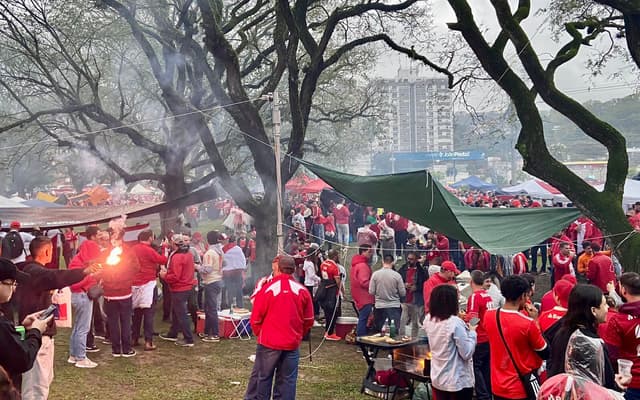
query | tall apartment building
(420,113)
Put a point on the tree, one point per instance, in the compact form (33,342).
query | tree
(537,81)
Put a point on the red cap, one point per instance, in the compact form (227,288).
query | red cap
(14,225)
(561,289)
(569,278)
(450,266)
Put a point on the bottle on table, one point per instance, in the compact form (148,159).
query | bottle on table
(385,328)
(393,332)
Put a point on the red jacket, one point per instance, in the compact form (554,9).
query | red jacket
(149,259)
(282,313)
(442,244)
(180,272)
(622,338)
(481,262)
(87,252)
(117,279)
(601,271)
(360,276)
(341,214)
(430,284)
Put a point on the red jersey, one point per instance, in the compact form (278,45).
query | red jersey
(442,244)
(623,332)
(547,302)
(341,214)
(282,313)
(524,338)
(411,273)
(478,304)
(520,264)
(550,317)
(600,271)
(329,269)
(562,265)
(149,259)
(603,328)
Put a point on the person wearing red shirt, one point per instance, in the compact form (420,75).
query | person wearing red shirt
(477,306)
(560,293)
(282,314)
(562,261)
(520,264)
(342,214)
(329,229)
(522,336)
(622,331)
(330,300)
(400,225)
(179,275)
(360,274)
(442,244)
(144,288)
(447,275)
(548,301)
(317,223)
(82,305)
(600,269)
(475,258)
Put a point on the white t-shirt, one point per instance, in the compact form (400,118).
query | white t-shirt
(310,276)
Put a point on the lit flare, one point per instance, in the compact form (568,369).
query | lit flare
(114,256)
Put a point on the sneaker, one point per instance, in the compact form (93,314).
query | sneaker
(72,360)
(317,324)
(92,349)
(116,354)
(201,335)
(86,363)
(165,336)
(130,353)
(183,343)
(106,341)
(211,339)
(100,337)
(333,337)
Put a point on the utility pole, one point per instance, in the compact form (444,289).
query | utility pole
(275,116)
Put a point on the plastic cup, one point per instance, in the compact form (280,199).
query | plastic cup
(23,333)
(624,367)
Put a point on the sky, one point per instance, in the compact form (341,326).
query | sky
(573,78)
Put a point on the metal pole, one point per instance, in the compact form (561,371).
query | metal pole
(276,146)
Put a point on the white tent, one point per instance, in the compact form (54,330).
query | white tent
(139,189)
(631,191)
(534,188)
(8,203)
(17,199)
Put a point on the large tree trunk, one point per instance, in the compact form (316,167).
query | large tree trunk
(174,187)
(266,222)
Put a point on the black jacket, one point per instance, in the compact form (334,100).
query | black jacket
(35,295)
(17,356)
(419,278)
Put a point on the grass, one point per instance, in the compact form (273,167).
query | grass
(205,371)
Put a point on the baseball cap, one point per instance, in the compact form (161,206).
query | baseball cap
(562,289)
(450,266)
(8,270)
(223,236)
(178,239)
(14,225)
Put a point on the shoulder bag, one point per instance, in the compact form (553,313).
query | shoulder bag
(530,381)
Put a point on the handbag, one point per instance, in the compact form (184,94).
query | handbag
(530,381)
(95,291)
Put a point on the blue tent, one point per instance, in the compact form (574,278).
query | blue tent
(473,182)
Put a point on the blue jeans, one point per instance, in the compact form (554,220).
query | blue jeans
(119,321)
(382,314)
(482,371)
(318,233)
(632,394)
(82,308)
(363,316)
(211,292)
(179,317)
(233,284)
(282,363)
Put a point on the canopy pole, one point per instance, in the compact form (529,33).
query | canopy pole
(276,141)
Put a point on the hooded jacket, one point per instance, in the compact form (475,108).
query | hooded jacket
(360,274)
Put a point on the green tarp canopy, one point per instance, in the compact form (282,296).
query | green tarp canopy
(422,199)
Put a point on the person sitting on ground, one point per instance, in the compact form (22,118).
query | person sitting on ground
(452,344)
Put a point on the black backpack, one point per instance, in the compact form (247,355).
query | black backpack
(12,245)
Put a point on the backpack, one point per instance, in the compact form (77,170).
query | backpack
(12,245)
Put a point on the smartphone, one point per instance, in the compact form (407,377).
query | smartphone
(474,321)
(48,312)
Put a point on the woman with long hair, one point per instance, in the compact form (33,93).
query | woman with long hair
(577,349)
(452,345)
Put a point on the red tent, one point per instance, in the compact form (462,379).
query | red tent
(314,186)
(297,182)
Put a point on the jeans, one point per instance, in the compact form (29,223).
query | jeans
(282,363)
(318,233)
(400,239)
(482,371)
(534,258)
(119,321)
(363,317)
(98,322)
(411,315)
(82,308)
(36,381)
(233,284)
(166,300)
(211,290)
(179,317)
(382,314)
(343,234)
(331,309)
(316,306)
(632,394)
